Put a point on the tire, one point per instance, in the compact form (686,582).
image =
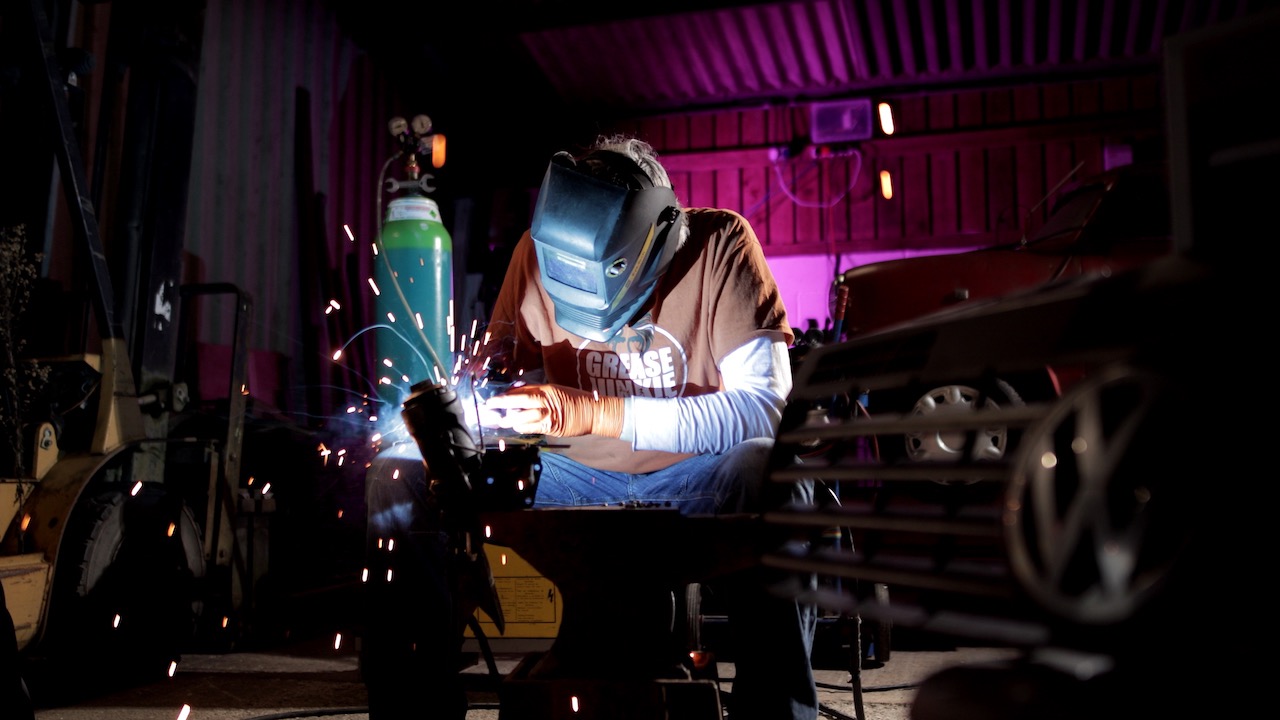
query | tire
(945,446)
(125,599)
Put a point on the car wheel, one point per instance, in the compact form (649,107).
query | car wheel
(948,445)
(943,446)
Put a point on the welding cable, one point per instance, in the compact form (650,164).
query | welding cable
(320,712)
(337,712)
(874,688)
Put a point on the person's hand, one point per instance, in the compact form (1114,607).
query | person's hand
(554,410)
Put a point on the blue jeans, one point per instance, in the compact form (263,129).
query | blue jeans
(411,649)
(772,633)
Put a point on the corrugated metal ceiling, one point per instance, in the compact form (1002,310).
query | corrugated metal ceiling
(713,54)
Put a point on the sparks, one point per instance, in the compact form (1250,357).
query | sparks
(337,641)
(350,236)
(374,285)
(137,487)
(173,667)
(337,354)
(185,712)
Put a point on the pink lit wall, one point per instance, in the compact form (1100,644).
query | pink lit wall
(806,280)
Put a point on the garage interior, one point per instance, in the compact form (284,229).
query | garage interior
(192,189)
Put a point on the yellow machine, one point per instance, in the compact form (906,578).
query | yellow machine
(126,534)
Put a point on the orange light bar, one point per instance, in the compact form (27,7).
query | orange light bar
(437,150)
(886,118)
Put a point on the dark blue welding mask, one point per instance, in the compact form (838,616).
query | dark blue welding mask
(604,235)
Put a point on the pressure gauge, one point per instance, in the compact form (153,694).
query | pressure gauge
(421,124)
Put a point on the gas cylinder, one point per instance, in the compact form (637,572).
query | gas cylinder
(414,275)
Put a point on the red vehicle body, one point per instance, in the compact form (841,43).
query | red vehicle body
(1106,224)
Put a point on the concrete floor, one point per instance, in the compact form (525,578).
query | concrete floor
(311,679)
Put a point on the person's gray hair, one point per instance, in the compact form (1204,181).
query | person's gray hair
(642,154)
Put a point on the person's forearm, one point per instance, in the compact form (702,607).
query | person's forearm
(710,423)
(757,381)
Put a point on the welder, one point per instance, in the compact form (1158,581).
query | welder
(650,340)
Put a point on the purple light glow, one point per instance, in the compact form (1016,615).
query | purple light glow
(805,280)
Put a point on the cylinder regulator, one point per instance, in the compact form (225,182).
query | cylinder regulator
(414,267)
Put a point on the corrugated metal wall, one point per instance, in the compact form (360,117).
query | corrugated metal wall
(808,49)
(966,167)
(259,59)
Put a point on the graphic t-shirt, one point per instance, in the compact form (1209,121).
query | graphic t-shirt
(717,294)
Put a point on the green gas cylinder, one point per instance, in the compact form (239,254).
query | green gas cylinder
(414,275)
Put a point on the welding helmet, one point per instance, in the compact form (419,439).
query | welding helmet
(604,235)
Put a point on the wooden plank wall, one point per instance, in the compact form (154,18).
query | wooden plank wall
(967,168)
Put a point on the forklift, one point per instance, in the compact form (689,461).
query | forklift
(127,532)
